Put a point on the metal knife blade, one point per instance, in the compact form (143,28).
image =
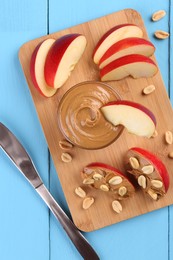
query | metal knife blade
(23,162)
(19,156)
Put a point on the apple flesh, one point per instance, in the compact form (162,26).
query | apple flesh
(62,58)
(125,47)
(155,179)
(97,174)
(135,65)
(114,35)
(37,63)
(137,119)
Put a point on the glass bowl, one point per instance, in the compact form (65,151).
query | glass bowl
(80,119)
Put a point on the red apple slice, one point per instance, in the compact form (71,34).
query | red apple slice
(114,35)
(37,68)
(136,118)
(133,45)
(149,171)
(107,178)
(62,58)
(135,65)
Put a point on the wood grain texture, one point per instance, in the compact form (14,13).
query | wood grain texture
(100,214)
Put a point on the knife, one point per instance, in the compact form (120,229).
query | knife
(16,152)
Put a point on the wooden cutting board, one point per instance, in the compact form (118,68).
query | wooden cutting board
(101,213)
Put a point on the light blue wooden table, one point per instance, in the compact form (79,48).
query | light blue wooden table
(27,229)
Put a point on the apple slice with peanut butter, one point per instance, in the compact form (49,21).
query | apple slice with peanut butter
(108,179)
(149,171)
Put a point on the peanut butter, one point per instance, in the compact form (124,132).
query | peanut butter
(80,118)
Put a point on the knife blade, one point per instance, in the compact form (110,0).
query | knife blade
(17,153)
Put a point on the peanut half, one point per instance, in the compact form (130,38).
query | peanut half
(65,145)
(87,202)
(161,34)
(104,187)
(168,137)
(152,194)
(157,184)
(66,157)
(97,176)
(115,180)
(122,191)
(148,169)
(158,15)
(88,181)
(117,207)
(142,181)
(134,162)
(80,192)
(149,89)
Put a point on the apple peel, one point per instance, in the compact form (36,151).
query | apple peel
(132,45)
(62,58)
(37,63)
(150,170)
(114,35)
(134,65)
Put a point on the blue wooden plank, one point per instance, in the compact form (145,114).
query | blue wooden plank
(24,228)
(138,238)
